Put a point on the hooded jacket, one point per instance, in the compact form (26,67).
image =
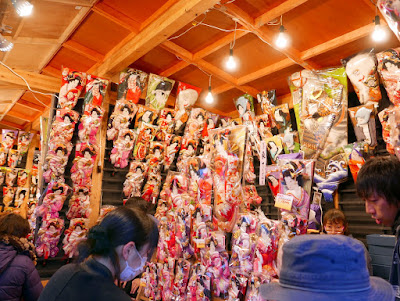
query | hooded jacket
(19,278)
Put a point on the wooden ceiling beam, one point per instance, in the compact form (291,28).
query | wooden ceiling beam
(277,11)
(221,89)
(36,81)
(12,125)
(157,13)
(83,50)
(246,20)
(136,45)
(49,70)
(34,41)
(207,67)
(174,69)
(11,105)
(75,3)
(30,105)
(117,17)
(18,115)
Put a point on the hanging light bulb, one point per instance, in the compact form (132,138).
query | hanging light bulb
(379,34)
(5,45)
(22,7)
(231,62)
(209,97)
(282,41)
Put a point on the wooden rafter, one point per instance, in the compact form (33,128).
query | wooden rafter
(117,17)
(11,105)
(19,116)
(207,67)
(33,41)
(69,2)
(136,45)
(36,81)
(30,105)
(12,125)
(248,22)
(83,50)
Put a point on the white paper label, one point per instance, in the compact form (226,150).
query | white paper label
(284,201)
(263,162)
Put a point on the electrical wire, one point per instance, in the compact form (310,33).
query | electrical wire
(195,24)
(193,64)
(232,44)
(29,87)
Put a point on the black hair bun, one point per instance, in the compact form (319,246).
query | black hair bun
(99,236)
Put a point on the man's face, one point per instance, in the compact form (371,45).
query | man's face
(381,210)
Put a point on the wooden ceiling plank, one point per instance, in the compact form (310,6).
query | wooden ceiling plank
(117,17)
(34,41)
(277,11)
(75,3)
(244,19)
(11,105)
(65,35)
(12,125)
(174,69)
(30,105)
(177,16)
(36,81)
(158,13)
(18,115)
(83,50)
(49,70)
(221,89)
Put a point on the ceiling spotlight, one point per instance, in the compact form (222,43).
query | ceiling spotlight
(379,33)
(282,41)
(209,97)
(22,7)
(231,62)
(5,45)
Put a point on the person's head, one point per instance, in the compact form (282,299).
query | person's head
(378,183)
(126,238)
(14,224)
(335,222)
(325,267)
(138,202)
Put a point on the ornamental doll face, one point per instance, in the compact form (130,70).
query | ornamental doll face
(186,98)
(128,138)
(360,67)
(146,116)
(262,126)
(78,229)
(390,67)
(160,95)
(23,176)
(94,114)
(291,183)
(132,81)
(52,228)
(157,152)
(241,110)
(278,116)
(73,84)
(200,118)
(87,155)
(125,112)
(60,153)
(96,90)
(67,120)
(168,118)
(9,139)
(210,123)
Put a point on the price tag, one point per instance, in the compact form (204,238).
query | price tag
(284,201)
(200,243)
(317,197)
(263,162)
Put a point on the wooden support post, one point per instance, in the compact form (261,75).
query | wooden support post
(336,199)
(97,175)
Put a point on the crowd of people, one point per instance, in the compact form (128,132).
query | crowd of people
(315,267)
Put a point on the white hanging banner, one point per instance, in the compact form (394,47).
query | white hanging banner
(263,162)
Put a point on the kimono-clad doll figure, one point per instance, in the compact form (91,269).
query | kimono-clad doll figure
(64,125)
(237,290)
(245,106)
(20,197)
(11,177)
(362,72)
(54,200)
(188,150)
(90,123)
(3,156)
(96,88)
(131,84)
(195,123)
(122,148)
(158,91)
(121,118)
(296,178)
(24,140)
(275,148)
(267,100)
(167,281)
(134,179)
(73,236)
(145,136)
(251,196)
(155,158)
(266,248)
(219,268)
(8,139)
(248,169)
(48,237)
(72,83)
(263,123)
(166,244)
(184,248)
(181,279)
(56,160)
(3,171)
(243,242)
(253,287)
(389,70)
(210,123)
(34,183)
(82,168)
(152,187)
(165,124)
(186,97)
(8,196)
(22,177)
(199,285)
(13,158)
(147,280)
(145,115)
(171,150)
(79,204)
(200,180)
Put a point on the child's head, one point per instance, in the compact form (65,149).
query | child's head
(335,222)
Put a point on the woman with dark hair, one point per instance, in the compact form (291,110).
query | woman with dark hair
(116,249)
(19,278)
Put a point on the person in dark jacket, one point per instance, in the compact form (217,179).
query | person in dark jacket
(378,183)
(19,279)
(116,249)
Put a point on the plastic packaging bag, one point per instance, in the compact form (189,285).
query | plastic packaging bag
(131,84)
(72,83)
(158,91)
(96,88)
